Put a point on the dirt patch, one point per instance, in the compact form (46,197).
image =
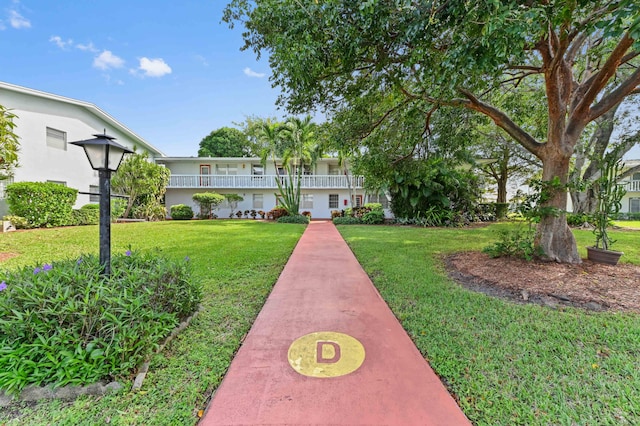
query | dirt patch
(589,285)
(7,256)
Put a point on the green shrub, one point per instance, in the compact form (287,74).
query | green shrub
(517,242)
(181,212)
(118,207)
(63,323)
(89,214)
(501,210)
(296,218)
(150,211)
(374,217)
(207,202)
(18,221)
(577,219)
(347,220)
(43,204)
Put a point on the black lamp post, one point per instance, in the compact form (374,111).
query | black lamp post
(105,156)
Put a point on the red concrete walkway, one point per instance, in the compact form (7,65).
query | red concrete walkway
(367,371)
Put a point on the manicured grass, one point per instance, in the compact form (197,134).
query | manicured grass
(506,364)
(627,223)
(238,263)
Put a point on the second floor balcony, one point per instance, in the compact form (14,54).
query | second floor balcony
(264,181)
(633,186)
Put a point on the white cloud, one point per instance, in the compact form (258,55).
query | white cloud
(249,72)
(87,47)
(156,67)
(58,41)
(107,60)
(18,21)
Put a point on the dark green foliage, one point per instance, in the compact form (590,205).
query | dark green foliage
(517,242)
(225,142)
(501,210)
(626,216)
(577,219)
(63,323)
(181,212)
(431,187)
(347,220)
(89,214)
(43,204)
(296,218)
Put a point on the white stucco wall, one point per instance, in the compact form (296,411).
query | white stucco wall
(39,162)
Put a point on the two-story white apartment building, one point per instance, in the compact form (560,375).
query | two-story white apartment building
(324,185)
(45,124)
(631,200)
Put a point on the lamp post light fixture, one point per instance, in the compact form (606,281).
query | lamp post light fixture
(105,156)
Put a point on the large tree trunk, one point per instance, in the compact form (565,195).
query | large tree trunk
(553,235)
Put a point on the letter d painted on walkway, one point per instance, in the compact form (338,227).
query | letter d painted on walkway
(326,354)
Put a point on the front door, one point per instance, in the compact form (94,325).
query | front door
(205,172)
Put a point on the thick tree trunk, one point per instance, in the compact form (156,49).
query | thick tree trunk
(553,236)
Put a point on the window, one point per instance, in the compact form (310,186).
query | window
(634,205)
(227,169)
(636,176)
(59,182)
(257,170)
(258,201)
(94,189)
(334,170)
(56,139)
(334,201)
(307,201)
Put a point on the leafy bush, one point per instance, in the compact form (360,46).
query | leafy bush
(515,242)
(577,219)
(43,204)
(296,218)
(501,210)
(181,212)
(627,216)
(89,214)
(118,207)
(150,211)
(277,212)
(18,221)
(374,217)
(63,323)
(307,213)
(347,220)
(208,201)
(336,213)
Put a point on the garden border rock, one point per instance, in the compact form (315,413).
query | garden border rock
(37,393)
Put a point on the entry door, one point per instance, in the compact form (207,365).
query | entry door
(205,171)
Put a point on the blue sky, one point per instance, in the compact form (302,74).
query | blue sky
(168,70)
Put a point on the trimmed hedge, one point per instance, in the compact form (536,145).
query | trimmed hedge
(347,220)
(297,218)
(89,214)
(181,212)
(42,204)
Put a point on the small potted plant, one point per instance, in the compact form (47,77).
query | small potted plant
(609,194)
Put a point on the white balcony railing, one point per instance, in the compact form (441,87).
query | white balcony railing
(634,186)
(267,181)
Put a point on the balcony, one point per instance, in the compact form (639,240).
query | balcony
(633,186)
(261,182)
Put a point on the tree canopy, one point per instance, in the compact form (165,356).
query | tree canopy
(583,54)
(225,142)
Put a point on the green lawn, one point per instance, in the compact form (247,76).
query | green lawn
(627,223)
(507,364)
(238,263)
